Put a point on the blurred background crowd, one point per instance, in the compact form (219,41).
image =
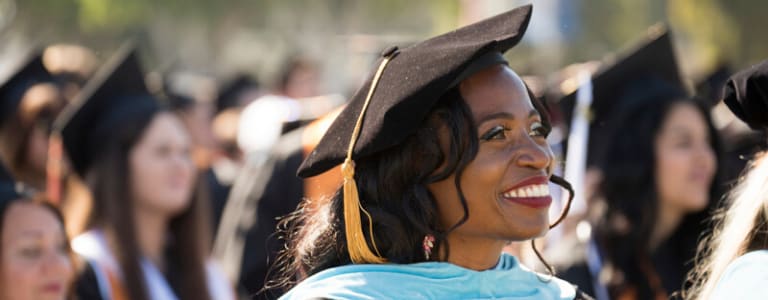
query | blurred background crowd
(249,86)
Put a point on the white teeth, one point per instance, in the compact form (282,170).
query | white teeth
(539,190)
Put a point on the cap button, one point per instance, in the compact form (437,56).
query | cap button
(389,51)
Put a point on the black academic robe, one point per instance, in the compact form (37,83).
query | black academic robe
(672,260)
(264,191)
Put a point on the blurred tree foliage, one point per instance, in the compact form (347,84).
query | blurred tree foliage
(708,32)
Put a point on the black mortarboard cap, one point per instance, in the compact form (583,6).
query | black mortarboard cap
(116,95)
(30,71)
(231,90)
(649,67)
(410,85)
(746,94)
(710,88)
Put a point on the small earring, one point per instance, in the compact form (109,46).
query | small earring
(427,244)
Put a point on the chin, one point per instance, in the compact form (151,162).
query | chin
(696,204)
(175,205)
(528,234)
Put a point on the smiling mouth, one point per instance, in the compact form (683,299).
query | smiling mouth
(533,192)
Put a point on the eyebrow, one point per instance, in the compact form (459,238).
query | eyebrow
(30,233)
(503,115)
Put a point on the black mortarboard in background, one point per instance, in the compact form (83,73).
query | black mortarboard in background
(650,67)
(232,90)
(710,88)
(115,96)
(746,94)
(30,71)
(410,85)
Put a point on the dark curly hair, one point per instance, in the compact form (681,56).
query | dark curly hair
(392,186)
(628,196)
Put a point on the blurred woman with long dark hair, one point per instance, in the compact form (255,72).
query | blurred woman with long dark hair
(657,153)
(148,234)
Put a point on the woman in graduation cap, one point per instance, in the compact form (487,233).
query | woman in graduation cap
(147,234)
(35,257)
(445,160)
(732,262)
(30,101)
(658,153)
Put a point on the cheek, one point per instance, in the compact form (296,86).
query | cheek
(480,184)
(18,276)
(448,203)
(671,165)
(143,172)
(146,175)
(37,150)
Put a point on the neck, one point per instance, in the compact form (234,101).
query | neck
(151,228)
(666,223)
(473,253)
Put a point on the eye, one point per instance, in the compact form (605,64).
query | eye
(496,133)
(31,252)
(62,248)
(539,130)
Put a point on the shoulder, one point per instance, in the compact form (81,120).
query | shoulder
(745,277)
(431,281)
(218,284)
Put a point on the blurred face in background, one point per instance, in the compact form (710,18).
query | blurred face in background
(685,160)
(37,108)
(34,257)
(162,171)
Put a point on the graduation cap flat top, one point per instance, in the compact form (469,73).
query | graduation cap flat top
(650,62)
(116,95)
(413,81)
(746,94)
(30,72)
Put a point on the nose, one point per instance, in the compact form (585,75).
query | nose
(182,163)
(705,155)
(531,154)
(58,265)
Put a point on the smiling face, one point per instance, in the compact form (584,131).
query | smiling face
(505,186)
(34,258)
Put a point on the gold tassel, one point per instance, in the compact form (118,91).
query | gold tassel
(357,247)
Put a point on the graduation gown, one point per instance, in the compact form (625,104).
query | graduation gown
(433,280)
(100,279)
(671,262)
